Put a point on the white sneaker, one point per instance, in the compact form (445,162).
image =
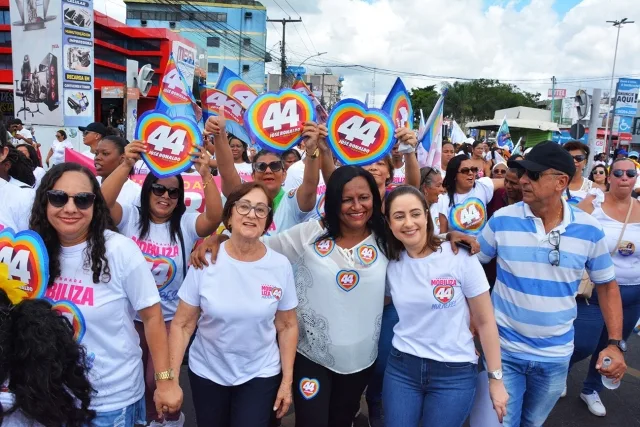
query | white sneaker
(594,404)
(564,392)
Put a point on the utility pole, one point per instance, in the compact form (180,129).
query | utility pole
(593,127)
(283,59)
(373,95)
(326,72)
(553,97)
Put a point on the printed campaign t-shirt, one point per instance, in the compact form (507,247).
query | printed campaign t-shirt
(295,176)
(287,213)
(341,294)
(164,258)
(102,316)
(236,336)
(15,206)
(430,295)
(244,171)
(469,212)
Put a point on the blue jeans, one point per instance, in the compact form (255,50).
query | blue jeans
(534,388)
(129,416)
(591,334)
(389,320)
(441,393)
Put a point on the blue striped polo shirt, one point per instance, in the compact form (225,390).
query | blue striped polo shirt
(534,301)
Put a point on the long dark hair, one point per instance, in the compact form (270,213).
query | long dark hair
(95,253)
(593,169)
(33,155)
(21,167)
(145,211)
(333,205)
(46,368)
(449,182)
(395,246)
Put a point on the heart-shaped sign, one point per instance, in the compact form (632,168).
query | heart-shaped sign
(275,119)
(26,256)
(347,279)
(163,269)
(309,387)
(171,142)
(359,135)
(398,105)
(74,315)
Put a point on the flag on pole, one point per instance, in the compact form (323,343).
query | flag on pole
(321,112)
(503,137)
(175,98)
(431,138)
(457,135)
(231,84)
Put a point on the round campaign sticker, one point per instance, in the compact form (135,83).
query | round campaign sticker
(277,293)
(626,248)
(367,254)
(468,217)
(74,315)
(163,269)
(324,247)
(309,388)
(291,193)
(27,260)
(443,293)
(275,119)
(347,279)
(214,99)
(171,143)
(359,135)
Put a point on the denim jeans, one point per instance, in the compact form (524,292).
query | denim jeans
(534,388)
(591,334)
(439,393)
(389,320)
(129,416)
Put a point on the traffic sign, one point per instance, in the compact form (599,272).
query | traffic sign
(577,131)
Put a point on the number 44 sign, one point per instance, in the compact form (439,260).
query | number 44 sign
(26,257)
(170,141)
(359,135)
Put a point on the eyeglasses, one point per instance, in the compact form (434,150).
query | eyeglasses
(535,176)
(579,158)
(465,171)
(59,198)
(159,190)
(554,255)
(261,210)
(499,171)
(631,173)
(262,166)
(599,172)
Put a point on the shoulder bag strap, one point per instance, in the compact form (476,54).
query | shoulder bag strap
(624,226)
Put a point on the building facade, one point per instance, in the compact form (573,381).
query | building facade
(234,32)
(326,87)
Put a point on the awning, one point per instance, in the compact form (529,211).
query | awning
(494,124)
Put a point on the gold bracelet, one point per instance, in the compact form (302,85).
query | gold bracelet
(207,182)
(315,154)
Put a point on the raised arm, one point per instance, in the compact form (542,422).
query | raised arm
(306,193)
(327,165)
(208,221)
(412,168)
(230,179)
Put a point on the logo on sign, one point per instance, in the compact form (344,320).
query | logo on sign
(173,89)
(270,292)
(468,217)
(367,254)
(324,247)
(309,388)
(398,105)
(347,279)
(163,270)
(444,294)
(27,259)
(186,55)
(215,99)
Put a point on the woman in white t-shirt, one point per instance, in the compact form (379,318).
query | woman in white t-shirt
(109,154)
(164,232)
(15,208)
(100,279)
(35,338)
(579,186)
(238,371)
(56,152)
(432,368)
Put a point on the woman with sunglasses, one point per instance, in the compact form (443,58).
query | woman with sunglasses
(101,279)
(599,175)
(241,360)
(164,232)
(499,170)
(56,152)
(579,186)
(611,209)
(109,155)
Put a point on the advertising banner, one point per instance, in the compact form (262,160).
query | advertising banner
(37,55)
(185,57)
(627,97)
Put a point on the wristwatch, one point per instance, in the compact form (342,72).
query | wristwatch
(495,375)
(621,344)
(165,375)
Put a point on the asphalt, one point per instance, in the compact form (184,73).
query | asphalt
(623,404)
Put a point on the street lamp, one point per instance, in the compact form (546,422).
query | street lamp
(312,56)
(618,24)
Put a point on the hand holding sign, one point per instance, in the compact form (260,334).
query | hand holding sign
(133,151)
(216,124)
(311,134)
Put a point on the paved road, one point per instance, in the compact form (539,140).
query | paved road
(623,404)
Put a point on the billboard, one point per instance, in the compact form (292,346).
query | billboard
(185,57)
(627,97)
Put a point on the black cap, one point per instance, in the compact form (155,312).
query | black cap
(546,155)
(96,127)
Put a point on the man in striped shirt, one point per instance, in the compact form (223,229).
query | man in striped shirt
(543,246)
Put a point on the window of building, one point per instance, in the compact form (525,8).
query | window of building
(245,69)
(246,43)
(213,67)
(213,41)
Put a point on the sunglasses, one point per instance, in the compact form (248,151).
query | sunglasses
(599,172)
(262,166)
(534,176)
(465,171)
(631,173)
(261,210)
(159,190)
(499,171)
(426,175)
(579,158)
(58,199)
(554,255)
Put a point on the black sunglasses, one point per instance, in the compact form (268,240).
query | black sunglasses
(631,173)
(534,176)
(59,198)
(465,171)
(579,158)
(262,166)
(159,190)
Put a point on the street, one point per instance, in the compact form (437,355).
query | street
(622,404)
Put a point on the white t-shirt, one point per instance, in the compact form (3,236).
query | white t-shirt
(434,213)
(244,171)
(469,212)
(236,337)
(164,259)
(295,176)
(25,133)
(129,194)
(430,295)
(58,151)
(574,197)
(341,294)
(102,315)
(287,215)
(398,176)
(18,183)
(15,206)
(141,168)
(38,173)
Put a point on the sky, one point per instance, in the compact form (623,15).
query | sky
(524,42)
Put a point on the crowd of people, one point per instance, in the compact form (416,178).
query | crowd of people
(441,295)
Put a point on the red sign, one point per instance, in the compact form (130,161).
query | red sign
(559,93)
